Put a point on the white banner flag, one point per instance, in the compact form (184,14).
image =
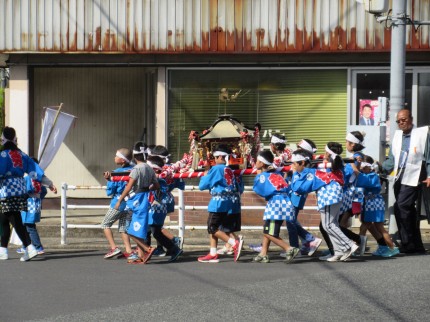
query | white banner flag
(54,130)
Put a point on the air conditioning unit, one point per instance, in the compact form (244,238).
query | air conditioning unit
(376,6)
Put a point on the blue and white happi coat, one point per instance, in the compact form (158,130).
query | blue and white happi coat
(327,184)
(374,204)
(273,187)
(13,165)
(139,204)
(223,187)
(159,202)
(114,189)
(36,192)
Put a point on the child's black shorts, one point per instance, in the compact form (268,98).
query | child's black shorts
(232,223)
(272,227)
(215,220)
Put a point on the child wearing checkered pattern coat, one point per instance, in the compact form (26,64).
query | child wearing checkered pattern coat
(158,210)
(328,186)
(374,205)
(272,186)
(36,193)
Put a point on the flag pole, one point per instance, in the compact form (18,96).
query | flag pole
(50,131)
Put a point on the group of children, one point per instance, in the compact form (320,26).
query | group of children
(339,190)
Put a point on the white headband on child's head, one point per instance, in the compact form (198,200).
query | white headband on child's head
(262,159)
(298,157)
(4,140)
(153,165)
(365,164)
(306,146)
(351,138)
(332,154)
(218,153)
(120,155)
(275,140)
(142,150)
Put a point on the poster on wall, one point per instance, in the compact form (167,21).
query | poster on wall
(370,113)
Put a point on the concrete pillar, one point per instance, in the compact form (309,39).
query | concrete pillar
(161,108)
(17,105)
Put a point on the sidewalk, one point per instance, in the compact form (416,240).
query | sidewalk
(93,238)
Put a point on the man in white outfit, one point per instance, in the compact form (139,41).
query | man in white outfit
(409,158)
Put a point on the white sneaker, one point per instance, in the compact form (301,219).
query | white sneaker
(3,253)
(349,252)
(324,258)
(313,246)
(335,258)
(363,241)
(225,251)
(30,252)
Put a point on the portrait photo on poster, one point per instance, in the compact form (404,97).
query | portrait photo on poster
(369,112)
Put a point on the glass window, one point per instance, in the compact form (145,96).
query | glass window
(423,116)
(370,86)
(298,103)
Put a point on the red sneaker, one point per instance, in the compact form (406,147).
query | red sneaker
(237,249)
(208,259)
(147,255)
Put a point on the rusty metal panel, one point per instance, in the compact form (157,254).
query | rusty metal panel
(247,25)
(238,25)
(424,30)
(343,24)
(221,25)
(229,25)
(205,24)
(142,26)
(197,26)
(263,34)
(188,25)
(334,25)
(170,16)
(300,16)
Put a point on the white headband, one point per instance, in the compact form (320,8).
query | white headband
(365,164)
(306,146)
(218,153)
(351,138)
(142,150)
(4,140)
(275,139)
(120,155)
(332,154)
(154,166)
(260,158)
(298,157)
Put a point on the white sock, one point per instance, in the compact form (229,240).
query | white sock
(212,251)
(232,241)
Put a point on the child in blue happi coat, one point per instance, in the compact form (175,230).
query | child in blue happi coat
(158,211)
(328,186)
(142,180)
(114,189)
(221,183)
(374,204)
(272,186)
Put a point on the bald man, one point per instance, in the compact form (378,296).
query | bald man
(409,158)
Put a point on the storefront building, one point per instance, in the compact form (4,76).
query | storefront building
(153,70)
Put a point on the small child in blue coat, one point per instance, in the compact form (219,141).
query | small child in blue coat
(272,186)
(222,185)
(36,193)
(374,204)
(114,189)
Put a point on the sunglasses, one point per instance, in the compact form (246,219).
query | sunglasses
(402,120)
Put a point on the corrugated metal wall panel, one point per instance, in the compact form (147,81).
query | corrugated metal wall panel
(110,103)
(142,26)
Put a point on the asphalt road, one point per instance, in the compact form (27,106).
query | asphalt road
(82,286)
